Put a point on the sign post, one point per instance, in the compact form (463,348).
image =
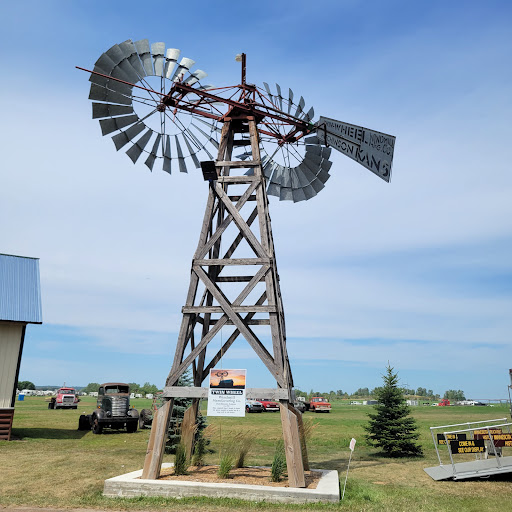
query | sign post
(352,446)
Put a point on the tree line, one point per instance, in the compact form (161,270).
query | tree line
(145,389)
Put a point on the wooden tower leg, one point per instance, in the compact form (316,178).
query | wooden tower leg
(156,444)
(292,445)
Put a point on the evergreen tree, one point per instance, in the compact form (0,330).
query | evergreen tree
(178,410)
(391,427)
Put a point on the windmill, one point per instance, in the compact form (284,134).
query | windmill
(266,143)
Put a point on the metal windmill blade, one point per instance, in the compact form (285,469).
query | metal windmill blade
(181,160)
(167,155)
(184,66)
(144,52)
(158,51)
(196,76)
(171,58)
(132,57)
(121,139)
(136,150)
(150,160)
(279,97)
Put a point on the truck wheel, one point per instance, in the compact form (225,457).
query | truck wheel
(131,427)
(97,427)
(84,423)
(144,418)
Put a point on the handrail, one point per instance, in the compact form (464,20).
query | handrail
(468,423)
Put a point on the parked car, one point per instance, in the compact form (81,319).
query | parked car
(253,406)
(269,405)
(299,405)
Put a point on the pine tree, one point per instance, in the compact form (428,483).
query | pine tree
(391,427)
(178,410)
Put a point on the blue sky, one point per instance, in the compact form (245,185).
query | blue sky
(417,272)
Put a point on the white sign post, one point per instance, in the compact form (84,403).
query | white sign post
(352,446)
(226,394)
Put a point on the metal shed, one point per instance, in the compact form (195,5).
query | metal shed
(20,304)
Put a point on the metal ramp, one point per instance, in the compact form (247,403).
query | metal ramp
(484,438)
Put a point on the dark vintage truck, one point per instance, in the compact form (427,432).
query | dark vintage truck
(112,410)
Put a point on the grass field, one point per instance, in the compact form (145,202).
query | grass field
(52,464)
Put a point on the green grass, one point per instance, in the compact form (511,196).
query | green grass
(52,464)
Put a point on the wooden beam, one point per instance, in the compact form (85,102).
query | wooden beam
(202,392)
(232,261)
(238,163)
(235,279)
(239,180)
(257,321)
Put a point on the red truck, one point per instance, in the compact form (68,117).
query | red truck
(444,402)
(318,404)
(66,399)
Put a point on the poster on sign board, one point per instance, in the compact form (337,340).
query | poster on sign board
(226,393)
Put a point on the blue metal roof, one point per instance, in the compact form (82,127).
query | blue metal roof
(20,289)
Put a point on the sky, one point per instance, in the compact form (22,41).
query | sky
(416,273)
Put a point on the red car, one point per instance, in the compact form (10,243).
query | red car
(269,405)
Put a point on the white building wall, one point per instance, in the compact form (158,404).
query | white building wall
(10,341)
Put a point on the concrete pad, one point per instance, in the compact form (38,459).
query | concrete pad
(131,485)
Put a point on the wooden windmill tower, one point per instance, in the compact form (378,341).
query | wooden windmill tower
(239,293)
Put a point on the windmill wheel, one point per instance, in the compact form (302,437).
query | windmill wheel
(295,171)
(135,114)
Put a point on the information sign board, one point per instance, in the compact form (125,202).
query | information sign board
(450,437)
(468,446)
(226,394)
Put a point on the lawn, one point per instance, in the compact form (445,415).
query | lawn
(52,464)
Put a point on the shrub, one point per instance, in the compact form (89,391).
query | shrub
(279,463)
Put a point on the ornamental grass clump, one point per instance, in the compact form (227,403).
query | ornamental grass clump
(243,444)
(226,465)
(279,463)
(180,460)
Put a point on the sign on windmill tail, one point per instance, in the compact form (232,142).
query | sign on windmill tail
(373,150)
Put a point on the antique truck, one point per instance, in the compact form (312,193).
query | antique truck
(112,410)
(318,404)
(66,399)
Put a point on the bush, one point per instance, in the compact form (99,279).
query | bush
(279,463)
